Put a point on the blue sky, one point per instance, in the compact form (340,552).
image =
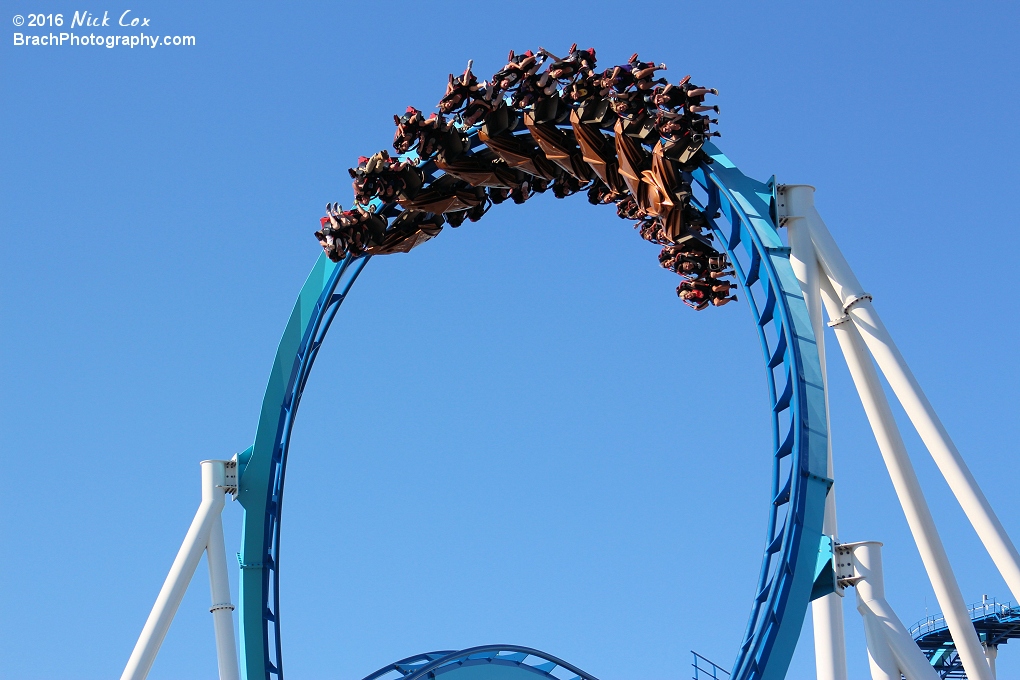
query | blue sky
(515,433)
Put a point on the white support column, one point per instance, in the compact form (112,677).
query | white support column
(827,611)
(908,489)
(991,652)
(880,657)
(894,651)
(222,609)
(856,304)
(183,568)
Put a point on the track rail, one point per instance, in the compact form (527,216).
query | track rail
(429,665)
(262,467)
(799,484)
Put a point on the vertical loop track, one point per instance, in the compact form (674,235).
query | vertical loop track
(798,487)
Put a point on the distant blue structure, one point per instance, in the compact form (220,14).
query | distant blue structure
(491,662)
(996,624)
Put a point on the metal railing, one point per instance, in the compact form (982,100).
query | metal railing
(707,670)
(978,610)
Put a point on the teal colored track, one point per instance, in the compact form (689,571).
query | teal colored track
(746,230)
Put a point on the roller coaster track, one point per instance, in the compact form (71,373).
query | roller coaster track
(743,222)
(540,665)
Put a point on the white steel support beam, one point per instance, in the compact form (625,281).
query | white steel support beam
(890,647)
(908,489)
(856,305)
(222,610)
(991,652)
(827,611)
(880,656)
(206,526)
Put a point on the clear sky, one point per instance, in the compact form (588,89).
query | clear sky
(515,433)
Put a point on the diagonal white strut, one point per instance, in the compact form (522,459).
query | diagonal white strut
(908,490)
(858,329)
(857,307)
(891,650)
(204,535)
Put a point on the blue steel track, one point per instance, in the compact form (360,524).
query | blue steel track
(744,225)
(537,665)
